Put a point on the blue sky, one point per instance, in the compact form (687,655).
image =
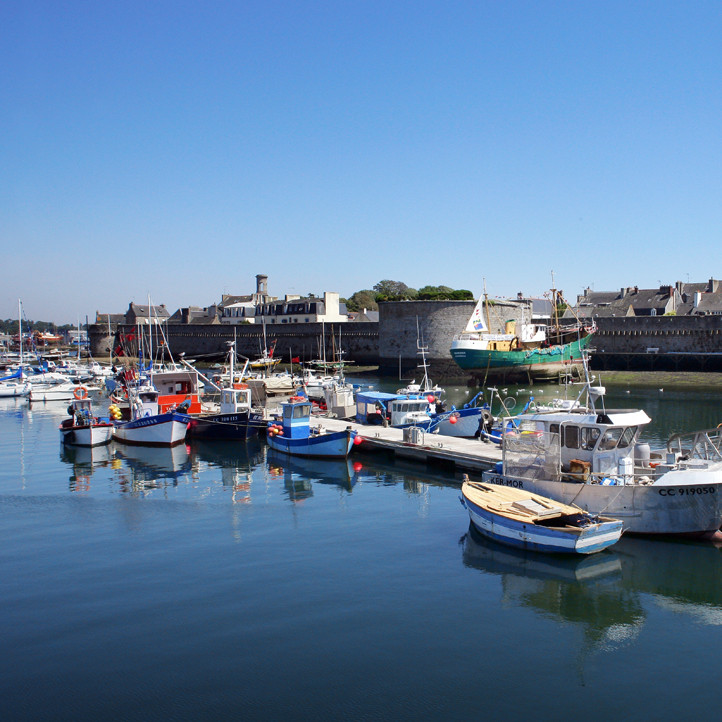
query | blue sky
(179,148)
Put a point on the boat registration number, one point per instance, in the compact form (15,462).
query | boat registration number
(687,491)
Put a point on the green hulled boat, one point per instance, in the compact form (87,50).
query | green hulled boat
(534,351)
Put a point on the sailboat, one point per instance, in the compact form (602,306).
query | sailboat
(14,385)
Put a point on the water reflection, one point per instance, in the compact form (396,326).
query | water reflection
(297,486)
(607,594)
(338,472)
(587,591)
(236,461)
(85,461)
(148,467)
(684,575)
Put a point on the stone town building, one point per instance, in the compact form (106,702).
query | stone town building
(196,315)
(681,299)
(146,315)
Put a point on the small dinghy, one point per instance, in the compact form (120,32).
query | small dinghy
(529,521)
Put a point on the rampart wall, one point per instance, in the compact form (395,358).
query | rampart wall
(679,343)
(663,343)
(435,323)
(359,341)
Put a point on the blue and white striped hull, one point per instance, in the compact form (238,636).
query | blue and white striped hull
(331,446)
(160,430)
(586,540)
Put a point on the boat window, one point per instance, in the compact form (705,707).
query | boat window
(571,437)
(610,439)
(553,428)
(590,435)
(301,412)
(627,437)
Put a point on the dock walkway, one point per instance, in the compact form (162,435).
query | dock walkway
(470,454)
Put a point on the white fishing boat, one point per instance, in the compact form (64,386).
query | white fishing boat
(84,429)
(591,456)
(148,427)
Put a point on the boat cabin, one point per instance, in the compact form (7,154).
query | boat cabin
(409,412)
(296,420)
(146,403)
(235,399)
(81,411)
(176,386)
(589,444)
(378,407)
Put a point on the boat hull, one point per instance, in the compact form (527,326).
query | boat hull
(465,426)
(237,425)
(51,394)
(11,390)
(688,505)
(533,363)
(527,535)
(93,435)
(161,430)
(334,445)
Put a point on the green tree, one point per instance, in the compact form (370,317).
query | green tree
(360,300)
(394,291)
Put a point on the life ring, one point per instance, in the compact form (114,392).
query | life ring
(80,393)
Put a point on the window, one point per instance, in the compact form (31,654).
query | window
(610,439)
(590,434)
(301,412)
(627,437)
(571,437)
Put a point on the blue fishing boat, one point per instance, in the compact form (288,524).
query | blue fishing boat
(295,436)
(521,519)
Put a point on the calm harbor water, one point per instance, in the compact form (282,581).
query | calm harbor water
(222,580)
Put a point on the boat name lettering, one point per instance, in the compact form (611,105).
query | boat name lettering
(143,422)
(687,491)
(501,481)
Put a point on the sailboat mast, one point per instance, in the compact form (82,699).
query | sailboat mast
(150,345)
(486,306)
(20,331)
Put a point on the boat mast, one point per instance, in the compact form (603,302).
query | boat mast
(20,331)
(555,315)
(150,345)
(486,305)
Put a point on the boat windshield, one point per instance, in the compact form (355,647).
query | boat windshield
(610,439)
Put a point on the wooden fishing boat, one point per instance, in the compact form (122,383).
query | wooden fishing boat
(519,518)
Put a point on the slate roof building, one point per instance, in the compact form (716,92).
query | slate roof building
(196,315)
(681,299)
(147,315)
